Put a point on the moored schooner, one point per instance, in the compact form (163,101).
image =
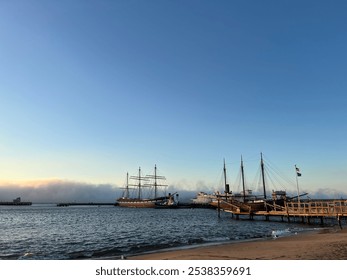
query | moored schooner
(245,201)
(148,181)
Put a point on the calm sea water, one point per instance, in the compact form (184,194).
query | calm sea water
(50,232)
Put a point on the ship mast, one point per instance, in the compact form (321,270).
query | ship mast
(262,173)
(155,184)
(243,181)
(139,185)
(155,181)
(127,187)
(226,186)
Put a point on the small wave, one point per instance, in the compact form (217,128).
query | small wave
(290,231)
(281,233)
(107,253)
(216,239)
(80,255)
(27,256)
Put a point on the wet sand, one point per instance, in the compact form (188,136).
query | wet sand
(327,244)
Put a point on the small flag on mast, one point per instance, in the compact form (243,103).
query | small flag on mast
(298,173)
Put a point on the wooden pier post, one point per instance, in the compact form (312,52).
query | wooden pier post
(339,221)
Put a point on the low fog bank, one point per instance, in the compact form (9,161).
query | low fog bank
(327,194)
(57,191)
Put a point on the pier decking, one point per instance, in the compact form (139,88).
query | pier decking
(11,203)
(314,208)
(305,209)
(84,204)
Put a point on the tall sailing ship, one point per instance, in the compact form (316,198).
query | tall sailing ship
(244,201)
(148,181)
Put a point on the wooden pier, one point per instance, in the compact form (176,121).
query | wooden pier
(16,202)
(305,209)
(84,204)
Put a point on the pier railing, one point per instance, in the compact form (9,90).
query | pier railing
(311,208)
(275,207)
(319,208)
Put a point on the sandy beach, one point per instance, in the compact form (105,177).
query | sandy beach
(327,244)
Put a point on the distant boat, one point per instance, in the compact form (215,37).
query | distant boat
(203,198)
(139,201)
(16,202)
(169,202)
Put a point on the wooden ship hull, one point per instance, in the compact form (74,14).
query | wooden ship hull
(136,203)
(140,203)
(238,206)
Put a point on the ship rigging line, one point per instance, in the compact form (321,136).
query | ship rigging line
(271,168)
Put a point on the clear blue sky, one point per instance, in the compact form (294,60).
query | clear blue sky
(92,89)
